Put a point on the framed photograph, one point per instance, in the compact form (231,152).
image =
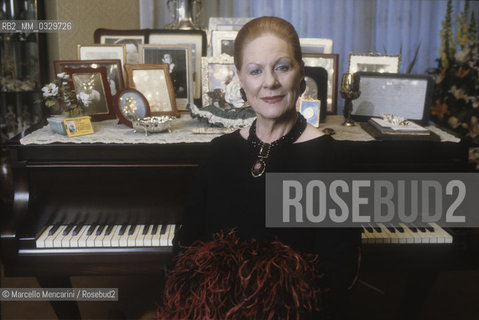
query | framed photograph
(223,42)
(178,58)
(102,52)
(197,38)
(130,104)
(316,87)
(154,82)
(130,38)
(114,72)
(311,110)
(404,95)
(316,45)
(224,24)
(220,83)
(330,63)
(93,83)
(373,62)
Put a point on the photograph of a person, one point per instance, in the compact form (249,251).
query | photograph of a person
(71,126)
(131,45)
(227,47)
(177,60)
(90,86)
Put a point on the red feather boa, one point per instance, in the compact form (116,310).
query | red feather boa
(231,279)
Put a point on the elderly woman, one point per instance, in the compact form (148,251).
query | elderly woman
(230,195)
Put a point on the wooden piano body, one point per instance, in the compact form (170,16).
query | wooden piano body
(149,183)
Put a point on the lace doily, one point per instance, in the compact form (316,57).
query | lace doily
(186,130)
(109,131)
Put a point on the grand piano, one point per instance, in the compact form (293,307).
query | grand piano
(118,205)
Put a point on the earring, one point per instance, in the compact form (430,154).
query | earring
(243,95)
(302,86)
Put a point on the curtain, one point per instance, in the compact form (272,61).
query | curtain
(360,26)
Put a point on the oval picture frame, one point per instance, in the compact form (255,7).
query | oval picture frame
(130,95)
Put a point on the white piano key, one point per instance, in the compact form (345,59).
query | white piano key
(40,242)
(74,241)
(49,239)
(131,241)
(57,242)
(423,235)
(417,235)
(369,235)
(115,240)
(408,235)
(386,234)
(155,240)
(164,236)
(83,237)
(171,235)
(108,241)
(123,239)
(90,241)
(147,241)
(394,233)
(443,234)
(140,239)
(99,238)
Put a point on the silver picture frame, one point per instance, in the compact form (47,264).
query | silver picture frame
(374,62)
(316,45)
(222,42)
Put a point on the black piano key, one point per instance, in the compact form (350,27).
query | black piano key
(53,230)
(400,229)
(67,230)
(391,229)
(145,229)
(378,229)
(90,230)
(122,229)
(100,229)
(131,231)
(154,229)
(77,229)
(422,229)
(163,229)
(430,228)
(369,229)
(413,229)
(108,229)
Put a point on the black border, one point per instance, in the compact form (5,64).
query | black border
(429,91)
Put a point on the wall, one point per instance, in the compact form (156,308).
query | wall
(87,16)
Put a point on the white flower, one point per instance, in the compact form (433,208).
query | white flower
(50,90)
(474,100)
(63,75)
(463,56)
(85,98)
(458,93)
(453,122)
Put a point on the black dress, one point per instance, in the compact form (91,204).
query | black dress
(226,196)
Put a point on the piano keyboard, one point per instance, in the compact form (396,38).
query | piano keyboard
(122,236)
(382,234)
(106,236)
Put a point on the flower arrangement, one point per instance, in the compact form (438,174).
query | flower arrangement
(59,93)
(456,94)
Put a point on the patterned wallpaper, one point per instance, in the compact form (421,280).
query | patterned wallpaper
(87,16)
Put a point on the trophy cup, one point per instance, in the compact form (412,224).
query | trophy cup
(349,91)
(185,14)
